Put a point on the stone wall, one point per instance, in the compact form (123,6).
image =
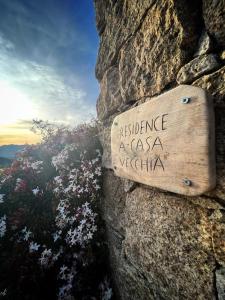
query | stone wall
(162,245)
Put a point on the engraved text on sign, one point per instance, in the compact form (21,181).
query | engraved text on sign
(167,142)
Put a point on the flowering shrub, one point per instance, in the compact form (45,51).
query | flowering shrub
(51,235)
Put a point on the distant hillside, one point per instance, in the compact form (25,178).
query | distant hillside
(5,162)
(9,151)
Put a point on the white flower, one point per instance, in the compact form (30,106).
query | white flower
(1,198)
(60,160)
(27,234)
(97,187)
(62,293)
(3,293)
(106,290)
(98,152)
(91,176)
(81,190)
(18,182)
(107,294)
(33,247)
(66,274)
(24,229)
(37,165)
(36,191)
(58,180)
(86,212)
(56,256)
(83,221)
(56,190)
(90,235)
(56,236)
(2,226)
(62,272)
(94,228)
(45,257)
(86,205)
(95,160)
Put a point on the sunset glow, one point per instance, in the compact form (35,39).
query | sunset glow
(18,134)
(14,105)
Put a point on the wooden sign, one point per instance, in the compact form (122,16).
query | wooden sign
(168,142)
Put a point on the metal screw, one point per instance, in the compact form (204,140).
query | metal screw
(115,167)
(187,182)
(115,123)
(185,100)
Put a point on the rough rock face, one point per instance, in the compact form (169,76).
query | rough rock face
(170,242)
(197,67)
(148,30)
(163,36)
(110,97)
(214,16)
(205,44)
(115,28)
(162,245)
(220,281)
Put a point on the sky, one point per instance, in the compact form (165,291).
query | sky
(48,50)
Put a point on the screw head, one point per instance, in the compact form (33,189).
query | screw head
(115,123)
(187,182)
(115,167)
(185,100)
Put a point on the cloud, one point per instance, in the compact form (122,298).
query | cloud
(53,96)
(21,124)
(47,57)
(50,31)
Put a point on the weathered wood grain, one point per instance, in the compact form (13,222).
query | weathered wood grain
(166,143)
